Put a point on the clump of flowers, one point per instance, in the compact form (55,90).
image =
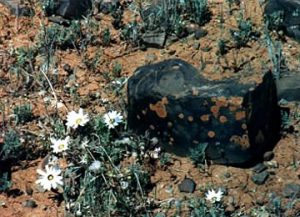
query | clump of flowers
(214,196)
(60,145)
(50,178)
(112,119)
(75,119)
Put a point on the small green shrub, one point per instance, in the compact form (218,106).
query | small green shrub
(11,149)
(197,154)
(23,113)
(106,37)
(5,182)
(244,33)
(274,21)
(57,36)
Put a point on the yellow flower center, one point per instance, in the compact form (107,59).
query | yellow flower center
(50,177)
(61,146)
(78,121)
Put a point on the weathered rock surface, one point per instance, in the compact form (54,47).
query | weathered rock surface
(17,8)
(260,178)
(289,10)
(292,190)
(172,101)
(288,87)
(71,9)
(187,185)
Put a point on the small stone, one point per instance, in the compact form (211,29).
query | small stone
(268,155)
(187,185)
(260,178)
(150,58)
(29,203)
(227,175)
(106,6)
(272,164)
(171,52)
(230,209)
(260,200)
(231,200)
(28,189)
(2,203)
(259,168)
(200,33)
(291,190)
(196,45)
(68,69)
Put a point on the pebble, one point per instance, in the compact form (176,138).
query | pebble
(269,155)
(272,164)
(187,185)
(150,58)
(200,33)
(196,45)
(260,178)
(258,168)
(29,203)
(291,190)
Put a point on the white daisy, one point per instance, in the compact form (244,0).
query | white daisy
(214,196)
(60,145)
(50,178)
(95,166)
(75,119)
(112,119)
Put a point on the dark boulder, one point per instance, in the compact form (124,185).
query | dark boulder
(69,9)
(284,14)
(171,100)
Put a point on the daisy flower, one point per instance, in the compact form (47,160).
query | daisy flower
(95,166)
(214,196)
(75,119)
(50,178)
(60,145)
(112,119)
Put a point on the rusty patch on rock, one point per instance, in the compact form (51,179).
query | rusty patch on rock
(232,108)
(215,110)
(240,115)
(223,119)
(190,118)
(204,118)
(211,134)
(221,102)
(242,141)
(160,107)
